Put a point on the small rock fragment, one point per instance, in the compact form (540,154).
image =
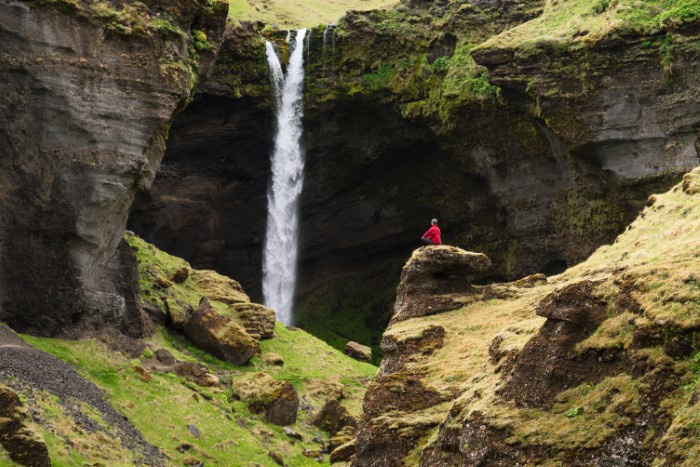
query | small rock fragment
(358,351)
(275,457)
(194,431)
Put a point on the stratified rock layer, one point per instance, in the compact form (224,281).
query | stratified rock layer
(85,103)
(220,335)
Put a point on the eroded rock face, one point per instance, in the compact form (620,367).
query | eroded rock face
(431,275)
(209,200)
(84,110)
(258,320)
(220,335)
(24,445)
(278,400)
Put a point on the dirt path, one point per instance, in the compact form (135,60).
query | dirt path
(39,370)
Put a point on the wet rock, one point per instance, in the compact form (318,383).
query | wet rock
(258,320)
(278,400)
(24,445)
(358,351)
(220,335)
(430,275)
(333,417)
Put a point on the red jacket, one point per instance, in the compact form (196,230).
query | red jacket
(433,234)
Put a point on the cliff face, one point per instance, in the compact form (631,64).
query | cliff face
(209,201)
(88,92)
(530,148)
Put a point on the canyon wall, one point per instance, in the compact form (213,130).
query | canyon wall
(534,151)
(87,93)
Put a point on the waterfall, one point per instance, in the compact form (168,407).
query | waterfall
(281,240)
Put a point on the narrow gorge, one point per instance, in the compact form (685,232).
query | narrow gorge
(212,211)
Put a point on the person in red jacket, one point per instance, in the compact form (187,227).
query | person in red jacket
(432,236)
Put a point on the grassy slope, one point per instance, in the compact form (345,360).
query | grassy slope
(299,13)
(659,252)
(583,21)
(163,408)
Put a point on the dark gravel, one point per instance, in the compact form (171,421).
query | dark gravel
(39,370)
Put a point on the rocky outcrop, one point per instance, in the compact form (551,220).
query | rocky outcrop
(358,351)
(534,156)
(258,320)
(431,276)
(209,200)
(278,400)
(220,335)
(88,92)
(333,417)
(24,445)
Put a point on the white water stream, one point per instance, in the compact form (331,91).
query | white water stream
(281,240)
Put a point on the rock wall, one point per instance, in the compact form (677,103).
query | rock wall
(87,93)
(209,202)
(534,155)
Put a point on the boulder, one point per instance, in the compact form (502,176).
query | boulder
(165,357)
(197,373)
(220,335)
(180,275)
(24,445)
(431,275)
(278,400)
(358,351)
(258,320)
(333,417)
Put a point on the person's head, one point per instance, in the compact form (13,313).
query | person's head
(433,222)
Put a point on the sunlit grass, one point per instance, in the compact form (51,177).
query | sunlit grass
(299,13)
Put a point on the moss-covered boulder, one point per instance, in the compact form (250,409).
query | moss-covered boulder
(333,417)
(24,445)
(220,335)
(278,400)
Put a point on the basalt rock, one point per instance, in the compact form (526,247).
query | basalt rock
(258,320)
(278,400)
(430,277)
(220,335)
(208,202)
(333,417)
(24,445)
(85,103)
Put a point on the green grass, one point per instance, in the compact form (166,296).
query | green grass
(178,403)
(163,408)
(583,21)
(299,13)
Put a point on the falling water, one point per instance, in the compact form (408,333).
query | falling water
(280,253)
